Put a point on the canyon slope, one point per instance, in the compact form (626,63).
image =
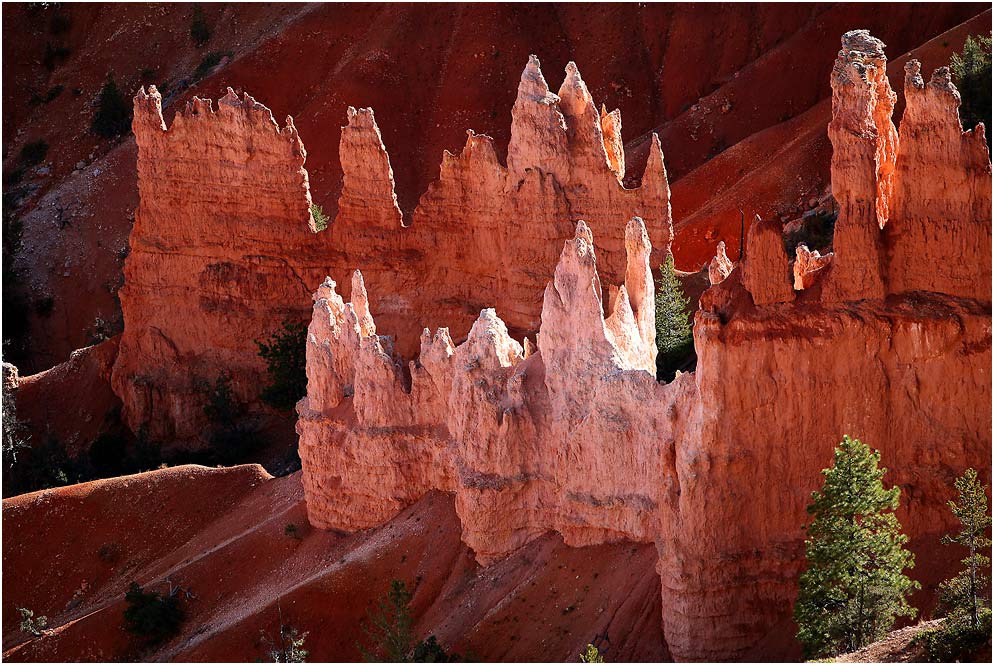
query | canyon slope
(571,433)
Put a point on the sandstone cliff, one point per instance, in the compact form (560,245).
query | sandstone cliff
(572,434)
(223,250)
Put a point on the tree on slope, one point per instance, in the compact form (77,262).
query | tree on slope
(854,587)
(674,334)
(961,594)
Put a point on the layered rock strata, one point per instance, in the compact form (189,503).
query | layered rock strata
(223,248)
(573,433)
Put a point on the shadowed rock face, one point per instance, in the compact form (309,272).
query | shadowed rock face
(574,435)
(223,249)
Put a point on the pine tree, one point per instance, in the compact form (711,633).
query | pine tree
(674,334)
(972,74)
(961,593)
(113,115)
(854,587)
(391,627)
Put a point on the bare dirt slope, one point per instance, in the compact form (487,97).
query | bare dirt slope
(220,534)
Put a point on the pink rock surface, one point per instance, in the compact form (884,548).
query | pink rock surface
(223,250)
(576,436)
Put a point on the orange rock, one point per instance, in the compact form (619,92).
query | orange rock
(223,249)
(720,265)
(807,267)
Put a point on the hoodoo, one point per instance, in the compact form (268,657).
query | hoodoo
(573,434)
(223,248)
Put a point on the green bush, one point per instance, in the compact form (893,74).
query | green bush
(956,640)
(233,434)
(113,115)
(285,354)
(674,333)
(34,152)
(54,55)
(151,615)
(971,71)
(390,629)
(320,219)
(591,655)
(210,61)
(30,624)
(199,30)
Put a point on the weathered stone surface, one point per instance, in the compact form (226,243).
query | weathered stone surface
(765,268)
(941,211)
(864,151)
(223,249)
(720,265)
(716,467)
(808,266)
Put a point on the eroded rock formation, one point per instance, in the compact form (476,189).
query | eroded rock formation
(223,250)
(573,434)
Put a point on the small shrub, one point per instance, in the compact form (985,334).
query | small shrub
(151,615)
(292,531)
(34,152)
(199,30)
(30,624)
(59,24)
(591,655)
(285,356)
(54,55)
(210,61)
(232,435)
(957,639)
(109,552)
(289,648)
(320,219)
(113,114)
(389,629)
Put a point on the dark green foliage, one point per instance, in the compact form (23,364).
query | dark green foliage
(963,594)
(285,356)
(151,615)
(34,152)
(320,219)
(233,434)
(210,61)
(59,24)
(389,629)
(30,624)
(54,55)
(674,333)
(108,455)
(199,30)
(113,115)
(972,75)
(14,432)
(957,639)
(854,587)
(292,531)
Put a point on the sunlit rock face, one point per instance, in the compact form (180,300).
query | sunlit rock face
(224,248)
(571,433)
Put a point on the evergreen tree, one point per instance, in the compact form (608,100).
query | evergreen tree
(972,73)
(390,629)
(674,334)
(113,114)
(961,593)
(854,586)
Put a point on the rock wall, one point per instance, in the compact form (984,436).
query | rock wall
(573,434)
(224,250)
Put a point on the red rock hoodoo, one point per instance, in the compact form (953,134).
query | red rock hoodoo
(889,342)
(223,252)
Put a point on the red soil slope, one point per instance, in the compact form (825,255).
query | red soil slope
(430,72)
(220,535)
